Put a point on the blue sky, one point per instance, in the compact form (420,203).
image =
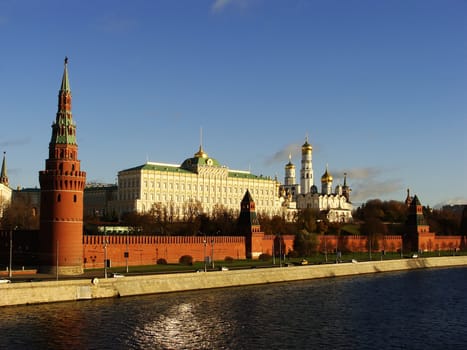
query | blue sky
(379,87)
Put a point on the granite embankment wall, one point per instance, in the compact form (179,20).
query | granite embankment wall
(72,290)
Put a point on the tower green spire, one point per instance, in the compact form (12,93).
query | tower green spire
(65,83)
(64,129)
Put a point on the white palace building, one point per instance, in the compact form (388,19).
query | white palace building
(203,180)
(200,179)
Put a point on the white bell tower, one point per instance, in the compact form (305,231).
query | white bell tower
(306,172)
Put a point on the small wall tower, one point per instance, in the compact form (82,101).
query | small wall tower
(417,226)
(248,226)
(62,187)
(306,172)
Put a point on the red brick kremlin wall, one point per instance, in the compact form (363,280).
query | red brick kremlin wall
(146,250)
(431,242)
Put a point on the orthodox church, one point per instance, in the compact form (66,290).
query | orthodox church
(335,204)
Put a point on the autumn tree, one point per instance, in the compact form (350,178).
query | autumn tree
(20,214)
(443,221)
(305,243)
(192,211)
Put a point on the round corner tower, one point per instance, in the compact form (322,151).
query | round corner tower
(62,188)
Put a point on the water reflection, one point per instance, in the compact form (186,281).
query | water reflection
(180,327)
(384,311)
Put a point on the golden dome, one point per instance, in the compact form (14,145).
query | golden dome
(306,147)
(327,177)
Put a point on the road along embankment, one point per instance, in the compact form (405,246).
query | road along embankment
(85,289)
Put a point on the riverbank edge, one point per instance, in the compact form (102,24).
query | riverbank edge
(87,289)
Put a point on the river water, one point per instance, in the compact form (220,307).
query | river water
(423,309)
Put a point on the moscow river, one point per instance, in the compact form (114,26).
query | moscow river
(422,309)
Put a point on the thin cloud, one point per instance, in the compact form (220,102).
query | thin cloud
(220,5)
(283,154)
(361,173)
(366,183)
(363,191)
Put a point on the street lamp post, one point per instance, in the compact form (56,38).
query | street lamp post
(273,251)
(212,252)
(57,253)
(11,254)
(280,251)
(325,249)
(105,252)
(337,249)
(204,254)
(126,252)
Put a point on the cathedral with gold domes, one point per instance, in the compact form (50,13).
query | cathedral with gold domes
(335,204)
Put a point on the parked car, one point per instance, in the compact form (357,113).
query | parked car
(117,275)
(223,268)
(4,280)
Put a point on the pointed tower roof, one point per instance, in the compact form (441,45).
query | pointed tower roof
(247,198)
(64,129)
(65,82)
(415,201)
(248,218)
(415,216)
(3,174)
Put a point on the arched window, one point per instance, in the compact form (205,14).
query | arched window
(59,197)
(74,198)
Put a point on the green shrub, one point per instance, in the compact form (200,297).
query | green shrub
(186,260)
(293,254)
(161,261)
(228,259)
(265,257)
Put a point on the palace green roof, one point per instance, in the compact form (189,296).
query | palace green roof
(190,166)
(178,169)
